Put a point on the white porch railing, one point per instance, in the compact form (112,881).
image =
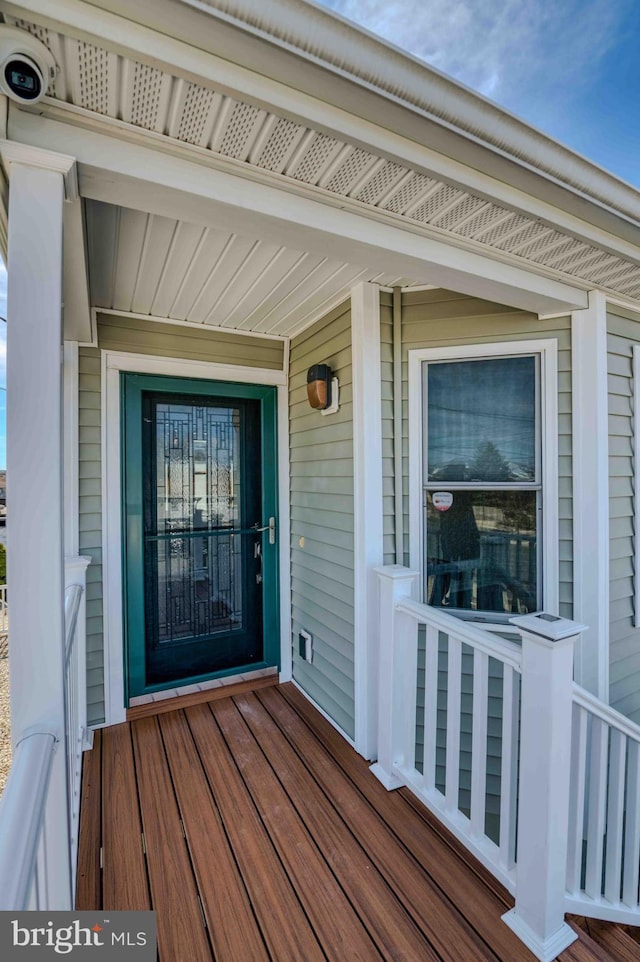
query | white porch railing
(538,778)
(31,874)
(603,866)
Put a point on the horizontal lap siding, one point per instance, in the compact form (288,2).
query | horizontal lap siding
(90,523)
(322,567)
(135,336)
(623,332)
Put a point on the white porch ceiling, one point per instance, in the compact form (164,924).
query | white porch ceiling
(157,266)
(103,83)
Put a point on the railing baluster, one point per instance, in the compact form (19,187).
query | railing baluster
(454,681)
(597,808)
(631,874)
(615,817)
(509,767)
(479,741)
(430,708)
(577,797)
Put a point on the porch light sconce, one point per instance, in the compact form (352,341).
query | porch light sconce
(322,389)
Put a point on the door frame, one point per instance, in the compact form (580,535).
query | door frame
(133,388)
(112,363)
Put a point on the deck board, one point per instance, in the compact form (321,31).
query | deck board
(269,840)
(89,881)
(233,928)
(181,930)
(124,873)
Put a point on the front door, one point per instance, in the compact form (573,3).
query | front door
(200,530)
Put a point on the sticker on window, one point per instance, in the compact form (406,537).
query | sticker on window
(442,500)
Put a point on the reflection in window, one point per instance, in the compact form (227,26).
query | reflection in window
(482,492)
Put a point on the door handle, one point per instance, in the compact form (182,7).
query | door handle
(271,528)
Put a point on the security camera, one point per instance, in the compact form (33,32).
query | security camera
(26,66)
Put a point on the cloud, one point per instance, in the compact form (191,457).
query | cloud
(505,49)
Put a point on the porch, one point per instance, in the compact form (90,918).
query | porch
(256,832)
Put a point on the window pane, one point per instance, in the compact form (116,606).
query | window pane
(482,550)
(481,420)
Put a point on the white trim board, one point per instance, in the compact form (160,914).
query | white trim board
(367,508)
(112,363)
(547,349)
(590,454)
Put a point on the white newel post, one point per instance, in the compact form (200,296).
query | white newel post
(35,469)
(395,582)
(543,790)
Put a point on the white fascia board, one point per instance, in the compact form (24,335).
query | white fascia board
(164,51)
(132,175)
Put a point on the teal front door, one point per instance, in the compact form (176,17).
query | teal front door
(200,530)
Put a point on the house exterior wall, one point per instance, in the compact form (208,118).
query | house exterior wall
(438,318)
(148,338)
(322,538)
(623,333)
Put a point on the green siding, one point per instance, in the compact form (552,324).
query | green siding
(149,338)
(441,318)
(623,332)
(322,514)
(90,523)
(138,336)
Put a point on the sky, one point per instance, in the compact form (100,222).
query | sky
(569,67)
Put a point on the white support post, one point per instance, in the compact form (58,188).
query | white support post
(591,493)
(35,479)
(367,484)
(395,582)
(545,771)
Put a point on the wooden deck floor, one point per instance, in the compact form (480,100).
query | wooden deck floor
(256,833)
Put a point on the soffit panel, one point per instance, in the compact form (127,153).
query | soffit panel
(145,264)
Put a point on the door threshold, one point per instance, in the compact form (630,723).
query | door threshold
(171,700)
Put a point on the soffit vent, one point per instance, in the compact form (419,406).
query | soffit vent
(465,208)
(319,152)
(378,185)
(402,198)
(242,124)
(349,171)
(278,148)
(195,114)
(442,198)
(149,93)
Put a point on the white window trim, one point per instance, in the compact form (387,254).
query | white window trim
(112,363)
(547,350)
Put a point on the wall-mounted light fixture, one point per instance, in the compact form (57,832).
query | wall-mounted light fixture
(322,389)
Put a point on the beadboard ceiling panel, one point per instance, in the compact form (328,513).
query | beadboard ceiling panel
(148,98)
(146,264)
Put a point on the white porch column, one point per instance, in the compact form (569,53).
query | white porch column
(35,472)
(591,493)
(544,783)
(367,484)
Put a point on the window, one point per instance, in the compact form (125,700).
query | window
(482,484)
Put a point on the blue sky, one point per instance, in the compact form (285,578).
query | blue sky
(569,67)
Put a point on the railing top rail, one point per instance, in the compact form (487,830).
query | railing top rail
(505,651)
(605,712)
(21,816)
